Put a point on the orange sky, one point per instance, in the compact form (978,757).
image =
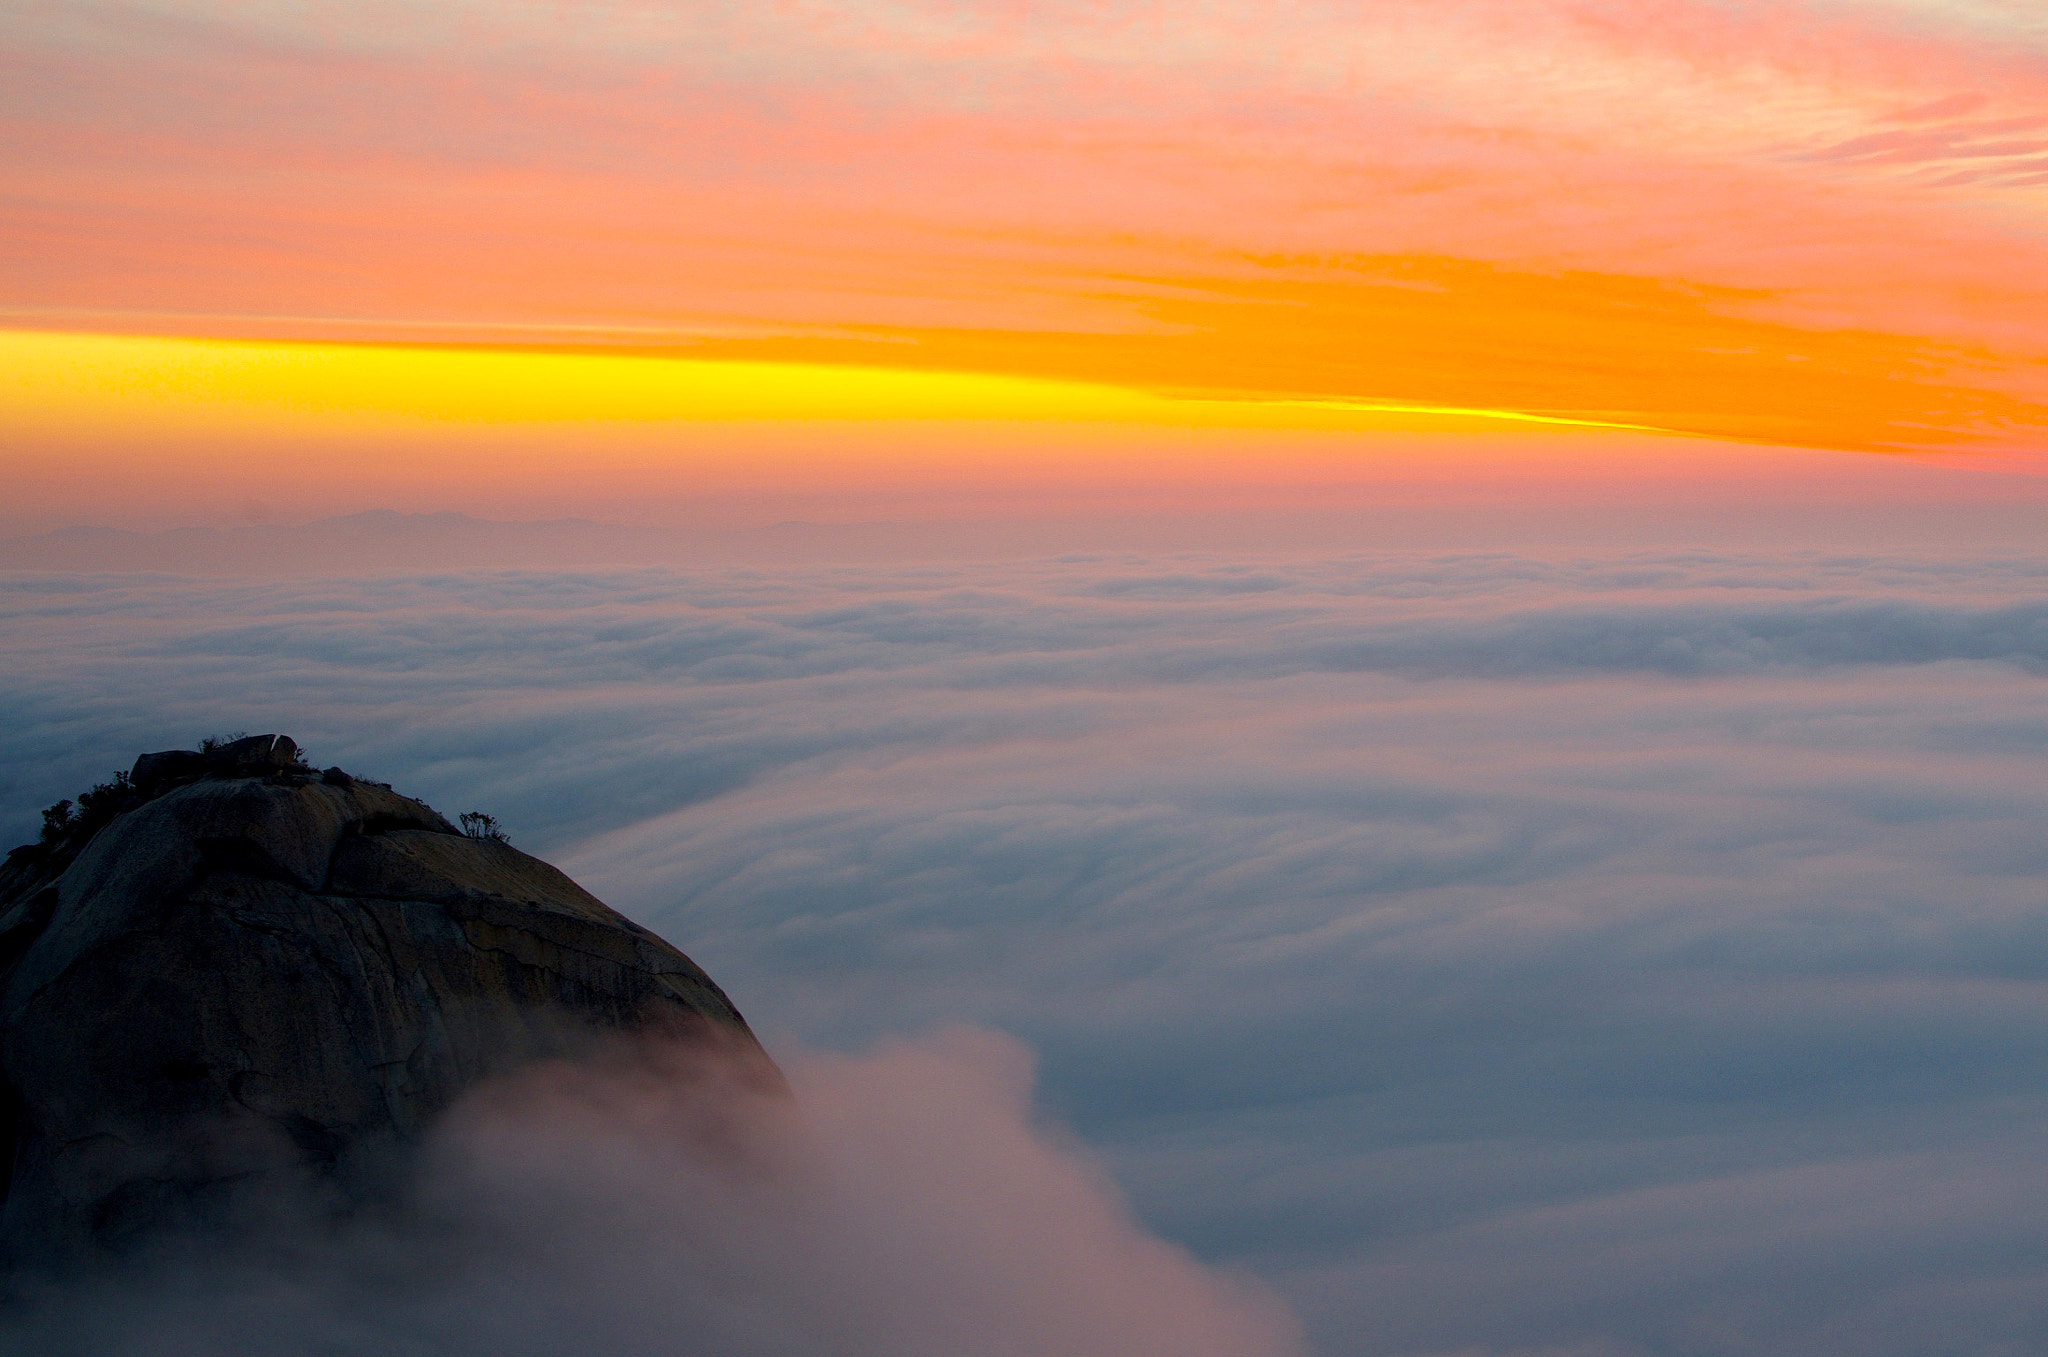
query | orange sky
(1799,224)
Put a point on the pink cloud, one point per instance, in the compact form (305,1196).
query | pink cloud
(984,165)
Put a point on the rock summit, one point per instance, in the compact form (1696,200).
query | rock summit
(226,969)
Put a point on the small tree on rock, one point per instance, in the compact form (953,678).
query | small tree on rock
(478,825)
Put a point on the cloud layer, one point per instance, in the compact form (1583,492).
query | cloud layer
(905,1206)
(1597,952)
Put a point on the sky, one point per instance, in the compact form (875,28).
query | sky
(678,252)
(1339,680)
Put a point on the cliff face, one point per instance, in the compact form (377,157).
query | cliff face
(254,973)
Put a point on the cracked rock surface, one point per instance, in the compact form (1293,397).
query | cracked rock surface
(257,974)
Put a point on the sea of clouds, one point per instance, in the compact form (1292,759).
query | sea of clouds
(1599,953)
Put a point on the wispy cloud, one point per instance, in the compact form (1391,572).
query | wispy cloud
(1001,186)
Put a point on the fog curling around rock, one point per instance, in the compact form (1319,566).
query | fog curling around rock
(295,1066)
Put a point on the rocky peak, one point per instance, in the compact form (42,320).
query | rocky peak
(249,756)
(224,969)
(69,825)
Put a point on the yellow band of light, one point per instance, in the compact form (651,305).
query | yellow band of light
(91,382)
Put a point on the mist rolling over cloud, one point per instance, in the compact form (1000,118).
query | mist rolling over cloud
(1583,952)
(655,1202)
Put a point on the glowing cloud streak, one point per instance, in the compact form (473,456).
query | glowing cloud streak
(70,381)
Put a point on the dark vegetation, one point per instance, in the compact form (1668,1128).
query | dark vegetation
(478,825)
(93,809)
(70,824)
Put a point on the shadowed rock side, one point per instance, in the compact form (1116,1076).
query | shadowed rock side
(249,970)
